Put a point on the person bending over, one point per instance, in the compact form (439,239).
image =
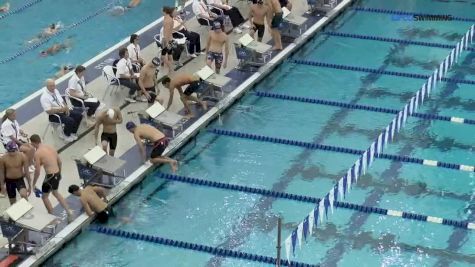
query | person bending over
(108,119)
(194,85)
(13,171)
(145,132)
(217,39)
(93,200)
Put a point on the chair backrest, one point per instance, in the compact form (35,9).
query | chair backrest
(114,66)
(9,230)
(242,53)
(158,40)
(109,73)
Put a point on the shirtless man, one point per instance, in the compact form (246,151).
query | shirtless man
(167,41)
(108,119)
(257,16)
(133,3)
(274,19)
(194,84)
(5,8)
(217,38)
(56,48)
(148,79)
(47,32)
(47,157)
(93,200)
(13,170)
(155,137)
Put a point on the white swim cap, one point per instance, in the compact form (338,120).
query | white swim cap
(110,113)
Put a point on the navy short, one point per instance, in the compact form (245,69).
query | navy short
(13,185)
(51,182)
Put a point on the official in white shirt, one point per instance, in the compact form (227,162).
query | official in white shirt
(201,11)
(234,15)
(125,73)
(53,103)
(10,131)
(77,88)
(134,52)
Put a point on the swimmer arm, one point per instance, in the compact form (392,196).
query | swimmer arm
(86,207)
(141,146)
(119,116)
(2,177)
(100,192)
(208,44)
(96,128)
(37,170)
(170,99)
(143,75)
(27,173)
(60,163)
(226,52)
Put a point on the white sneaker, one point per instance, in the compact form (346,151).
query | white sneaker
(142,99)
(74,136)
(69,139)
(245,26)
(237,30)
(193,55)
(130,100)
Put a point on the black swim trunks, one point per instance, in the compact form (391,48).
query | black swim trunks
(259,28)
(51,182)
(103,216)
(168,49)
(193,87)
(13,185)
(110,138)
(153,94)
(158,147)
(277,20)
(283,3)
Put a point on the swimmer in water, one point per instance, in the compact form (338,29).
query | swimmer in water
(56,48)
(47,32)
(6,7)
(117,10)
(134,3)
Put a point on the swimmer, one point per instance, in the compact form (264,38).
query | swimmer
(134,3)
(47,32)
(63,71)
(56,48)
(6,7)
(117,10)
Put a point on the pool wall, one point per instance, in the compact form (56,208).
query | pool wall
(82,222)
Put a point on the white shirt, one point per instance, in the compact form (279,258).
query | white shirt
(51,100)
(124,67)
(8,129)
(77,84)
(134,51)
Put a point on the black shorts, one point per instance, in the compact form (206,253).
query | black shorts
(103,216)
(283,3)
(259,29)
(51,182)
(13,185)
(152,93)
(158,148)
(277,20)
(193,87)
(110,138)
(166,51)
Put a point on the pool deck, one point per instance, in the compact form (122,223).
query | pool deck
(34,120)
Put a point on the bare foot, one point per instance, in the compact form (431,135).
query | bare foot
(204,104)
(276,48)
(174,166)
(189,115)
(70,216)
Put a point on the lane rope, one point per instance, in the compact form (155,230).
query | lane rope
(400,12)
(314,200)
(315,146)
(19,9)
(317,101)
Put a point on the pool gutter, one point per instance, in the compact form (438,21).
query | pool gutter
(83,221)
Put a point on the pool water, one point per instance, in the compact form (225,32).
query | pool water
(247,222)
(26,74)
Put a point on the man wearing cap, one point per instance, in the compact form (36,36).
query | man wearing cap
(108,119)
(148,79)
(13,171)
(158,140)
(217,38)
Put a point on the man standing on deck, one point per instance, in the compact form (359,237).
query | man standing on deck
(274,19)
(217,38)
(13,171)
(257,16)
(194,84)
(148,79)
(108,119)
(47,157)
(145,132)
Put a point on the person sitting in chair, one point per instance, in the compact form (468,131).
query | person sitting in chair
(77,88)
(134,52)
(126,74)
(193,38)
(201,11)
(234,15)
(10,131)
(93,200)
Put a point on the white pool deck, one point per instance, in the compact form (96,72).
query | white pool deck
(37,124)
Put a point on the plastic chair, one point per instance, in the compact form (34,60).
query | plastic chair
(54,126)
(111,79)
(68,98)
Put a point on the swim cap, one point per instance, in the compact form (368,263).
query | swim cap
(130,125)
(216,26)
(156,61)
(111,113)
(11,146)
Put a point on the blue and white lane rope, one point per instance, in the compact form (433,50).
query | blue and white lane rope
(313,200)
(19,9)
(392,40)
(376,71)
(361,107)
(221,252)
(400,12)
(339,190)
(315,146)
(45,40)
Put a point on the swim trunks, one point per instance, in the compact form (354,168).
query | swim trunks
(193,87)
(13,185)
(216,57)
(110,138)
(259,28)
(51,182)
(277,20)
(103,216)
(153,94)
(158,147)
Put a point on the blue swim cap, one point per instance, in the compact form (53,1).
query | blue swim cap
(130,125)
(11,146)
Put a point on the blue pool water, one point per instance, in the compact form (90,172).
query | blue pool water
(246,222)
(26,74)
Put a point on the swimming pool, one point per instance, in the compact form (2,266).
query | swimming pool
(246,222)
(26,74)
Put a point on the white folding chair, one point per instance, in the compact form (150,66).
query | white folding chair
(68,98)
(112,81)
(56,127)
